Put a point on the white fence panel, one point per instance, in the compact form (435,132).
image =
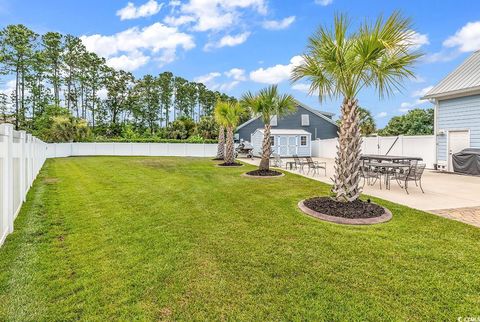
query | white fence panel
(117,149)
(104,149)
(414,146)
(210,150)
(21,158)
(158,149)
(83,149)
(59,150)
(140,149)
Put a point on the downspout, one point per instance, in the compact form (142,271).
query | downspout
(435,129)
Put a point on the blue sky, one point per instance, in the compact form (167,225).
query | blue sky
(239,45)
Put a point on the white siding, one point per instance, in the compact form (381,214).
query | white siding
(458,114)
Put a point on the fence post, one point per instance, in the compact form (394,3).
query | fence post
(8,177)
(21,164)
(29,160)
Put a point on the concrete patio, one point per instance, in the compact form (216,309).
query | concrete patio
(446,194)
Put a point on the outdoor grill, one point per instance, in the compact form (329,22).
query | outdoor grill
(467,161)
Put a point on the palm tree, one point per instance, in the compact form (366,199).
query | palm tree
(339,64)
(221,140)
(268,103)
(228,114)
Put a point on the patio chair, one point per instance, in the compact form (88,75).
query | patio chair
(370,173)
(298,163)
(315,165)
(414,174)
(277,161)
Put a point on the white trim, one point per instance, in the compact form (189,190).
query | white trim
(454,94)
(435,127)
(306,140)
(449,161)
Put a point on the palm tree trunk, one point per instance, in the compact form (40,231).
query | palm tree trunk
(229,153)
(347,162)
(221,143)
(266,146)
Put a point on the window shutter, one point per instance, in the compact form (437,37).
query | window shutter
(273,121)
(305,120)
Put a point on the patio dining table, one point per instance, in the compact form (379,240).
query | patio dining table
(390,158)
(389,167)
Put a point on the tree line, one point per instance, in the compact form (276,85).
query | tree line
(57,70)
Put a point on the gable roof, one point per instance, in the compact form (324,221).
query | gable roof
(464,80)
(324,115)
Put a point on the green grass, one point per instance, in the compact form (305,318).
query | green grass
(118,238)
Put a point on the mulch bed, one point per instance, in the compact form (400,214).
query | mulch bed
(264,173)
(234,164)
(352,210)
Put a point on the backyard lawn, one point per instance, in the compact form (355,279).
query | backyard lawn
(127,238)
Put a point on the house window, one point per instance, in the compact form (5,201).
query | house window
(303,140)
(273,121)
(305,120)
(272,141)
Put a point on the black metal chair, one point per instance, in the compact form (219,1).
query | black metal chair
(298,163)
(368,174)
(315,165)
(414,173)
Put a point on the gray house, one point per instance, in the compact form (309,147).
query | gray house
(319,124)
(457,111)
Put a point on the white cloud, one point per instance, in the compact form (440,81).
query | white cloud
(323,2)
(278,24)
(8,88)
(178,21)
(128,62)
(207,79)
(225,87)
(418,79)
(237,74)
(102,93)
(301,87)
(417,40)
(441,56)
(148,9)
(381,115)
(422,92)
(159,40)
(466,39)
(405,107)
(234,75)
(218,14)
(275,74)
(228,41)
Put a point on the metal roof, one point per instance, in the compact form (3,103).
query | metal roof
(465,79)
(286,132)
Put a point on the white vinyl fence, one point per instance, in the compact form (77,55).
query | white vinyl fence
(60,150)
(414,146)
(21,158)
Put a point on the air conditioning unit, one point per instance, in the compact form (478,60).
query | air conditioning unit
(442,166)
